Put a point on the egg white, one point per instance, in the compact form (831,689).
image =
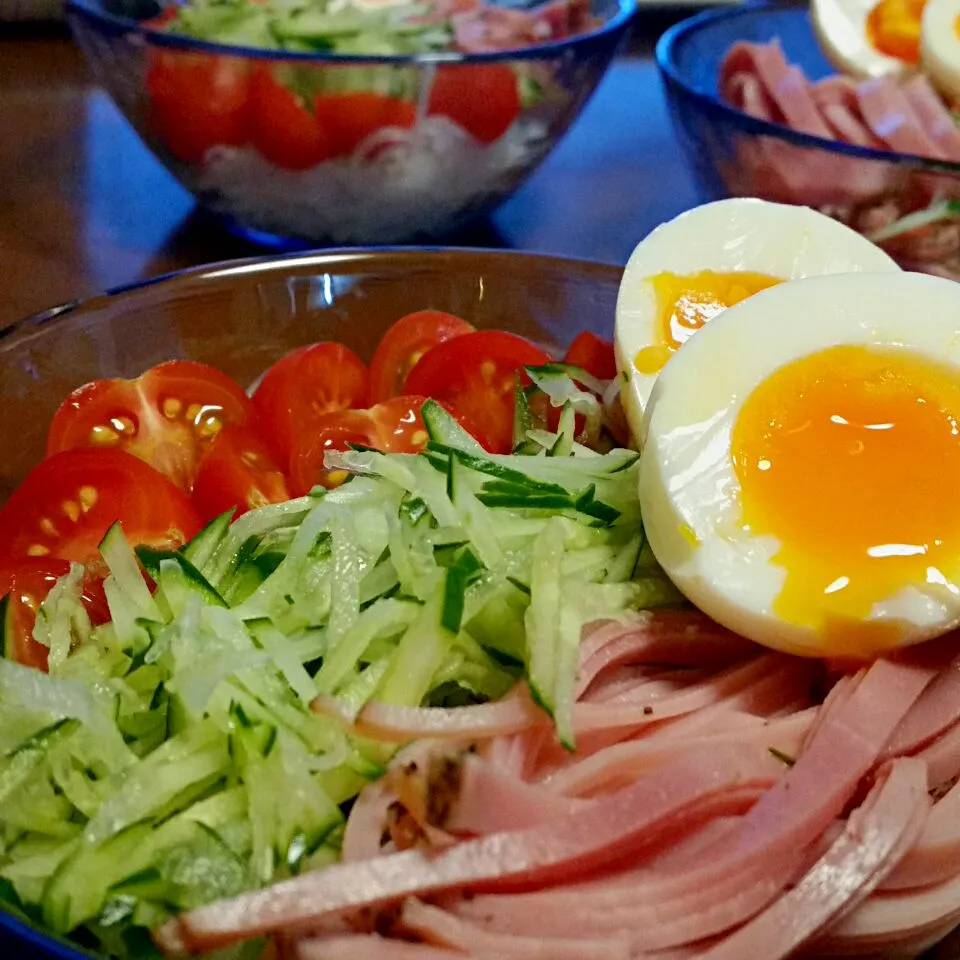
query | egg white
(689,492)
(778,240)
(841,28)
(940,46)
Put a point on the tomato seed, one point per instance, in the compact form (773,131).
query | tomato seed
(88,497)
(72,509)
(171,407)
(37,550)
(102,436)
(48,527)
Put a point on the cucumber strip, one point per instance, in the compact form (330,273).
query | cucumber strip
(542,618)
(201,549)
(62,618)
(125,571)
(285,656)
(443,428)
(418,655)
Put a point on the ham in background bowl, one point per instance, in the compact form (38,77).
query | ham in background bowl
(818,146)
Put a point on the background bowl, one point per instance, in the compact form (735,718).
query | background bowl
(397,184)
(734,154)
(244,315)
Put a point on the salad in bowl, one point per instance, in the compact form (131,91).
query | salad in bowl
(448,652)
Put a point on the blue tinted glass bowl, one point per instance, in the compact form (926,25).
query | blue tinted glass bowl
(398,184)
(734,154)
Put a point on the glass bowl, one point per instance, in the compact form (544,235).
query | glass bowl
(388,165)
(734,154)
(243,315)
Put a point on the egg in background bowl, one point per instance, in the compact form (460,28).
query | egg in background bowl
(869,38)
(800,474)
(940,46)
(693,267)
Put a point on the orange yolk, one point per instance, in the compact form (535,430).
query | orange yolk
(850,459)
(893,28)
(686,303)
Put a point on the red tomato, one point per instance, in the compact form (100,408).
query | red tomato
(26,581)
(593,354)
(68,502)
(405,343)
(196,101)
(239,471)
(349,118)
(167,417)
(482,98)
(476,374)
(394,426)
(304,385)
(282,127)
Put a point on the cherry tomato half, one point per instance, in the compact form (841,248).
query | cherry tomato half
(239,471)
(481,98)
(166,417)
(394,426)
(593,354)
(347,119)
(304,385)
(197,101)
(282,126)
(68,502)
(26,581)
(476,375)
(404,344)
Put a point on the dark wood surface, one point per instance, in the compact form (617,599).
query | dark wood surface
(84,206)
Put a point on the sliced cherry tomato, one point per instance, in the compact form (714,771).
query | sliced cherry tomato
(482,98)
(167,417)
(476,374)
(304,385)
(405,343)
(349,118)
(68,502)
(394,426)
(197,101)
(593,354)
(282,126)
(238,471)
(26,581)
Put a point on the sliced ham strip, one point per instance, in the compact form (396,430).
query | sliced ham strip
(372,947)
(442,928)
(876,836)
(621,763)
(747,93)
(786,85)
(936,710)
(936,855)
(892,118)
(493,802)
(647,814)
(933,115)
(942,757)
(836,98)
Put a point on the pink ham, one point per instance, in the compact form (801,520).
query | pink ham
(786,85)
(893,120)
(442,928)
(936,120)
(836,98)
(646,815)
(876,837)
(935,856)
(360,947)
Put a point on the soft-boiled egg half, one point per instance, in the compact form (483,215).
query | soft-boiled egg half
(799,479)
(869,38)
(940,46)
(690,269)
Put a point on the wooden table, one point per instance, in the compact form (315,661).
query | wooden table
(84,206)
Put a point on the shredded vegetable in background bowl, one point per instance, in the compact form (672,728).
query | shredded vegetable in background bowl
(345,121)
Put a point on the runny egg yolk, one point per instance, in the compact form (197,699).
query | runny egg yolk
(686,303)
(893,28)
(850,458)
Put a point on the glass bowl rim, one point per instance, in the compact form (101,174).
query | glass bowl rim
(40,323)
(668,63)
(95,11)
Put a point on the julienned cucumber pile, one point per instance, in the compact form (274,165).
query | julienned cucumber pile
(171,758)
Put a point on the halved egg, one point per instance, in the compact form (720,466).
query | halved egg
(869,38)
(800,479)
(693,267)
(940,46)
